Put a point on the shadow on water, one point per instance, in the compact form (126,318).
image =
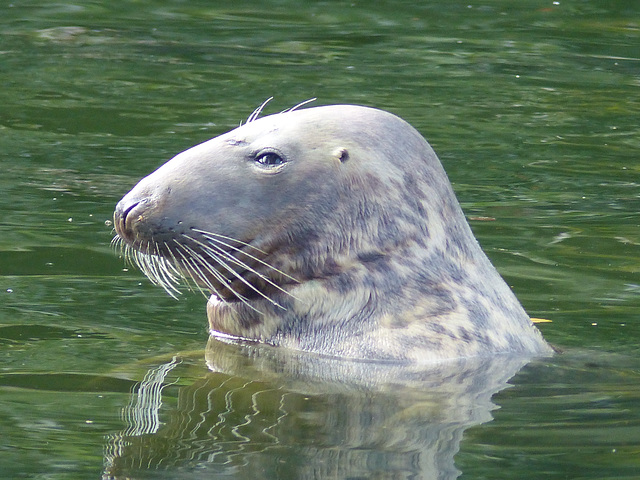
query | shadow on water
(282,414)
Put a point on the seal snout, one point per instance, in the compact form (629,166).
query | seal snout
(125,217)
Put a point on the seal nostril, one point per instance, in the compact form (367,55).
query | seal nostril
(128,210)
(122,220)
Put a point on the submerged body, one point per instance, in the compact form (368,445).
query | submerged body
(331,230)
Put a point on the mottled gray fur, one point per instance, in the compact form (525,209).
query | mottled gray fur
(350,243)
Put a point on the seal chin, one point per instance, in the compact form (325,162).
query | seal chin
(332,230)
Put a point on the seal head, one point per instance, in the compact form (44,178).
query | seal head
(331,230)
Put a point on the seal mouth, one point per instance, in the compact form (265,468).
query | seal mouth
(230,269)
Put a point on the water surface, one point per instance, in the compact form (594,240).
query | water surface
(532,107)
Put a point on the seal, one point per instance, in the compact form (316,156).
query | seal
(332,230)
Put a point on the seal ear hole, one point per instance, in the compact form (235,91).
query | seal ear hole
(342,154)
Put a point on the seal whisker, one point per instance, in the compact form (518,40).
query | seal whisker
(217,252)
(174,271)
(207,233)
(252,257)
(154,263)
(127,252)
(115,241)
(194,270)
(123,249)
(124,252)
(209,236)
(222,263)
(193,259)
(156,269)
(216,274)
(130,252)
(256,113)
(179,269)
(301,104)
(141,261)
(167,274)
(151,257)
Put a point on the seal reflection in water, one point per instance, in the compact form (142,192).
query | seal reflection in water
(331,230)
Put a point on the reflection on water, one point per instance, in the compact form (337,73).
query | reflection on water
(292,415)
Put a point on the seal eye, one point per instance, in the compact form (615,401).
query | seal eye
(269,159)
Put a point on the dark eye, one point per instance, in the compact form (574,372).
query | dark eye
(269,159)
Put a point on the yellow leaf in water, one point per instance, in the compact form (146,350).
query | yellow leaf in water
(540,320)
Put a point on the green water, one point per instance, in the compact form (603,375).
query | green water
(533,108)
